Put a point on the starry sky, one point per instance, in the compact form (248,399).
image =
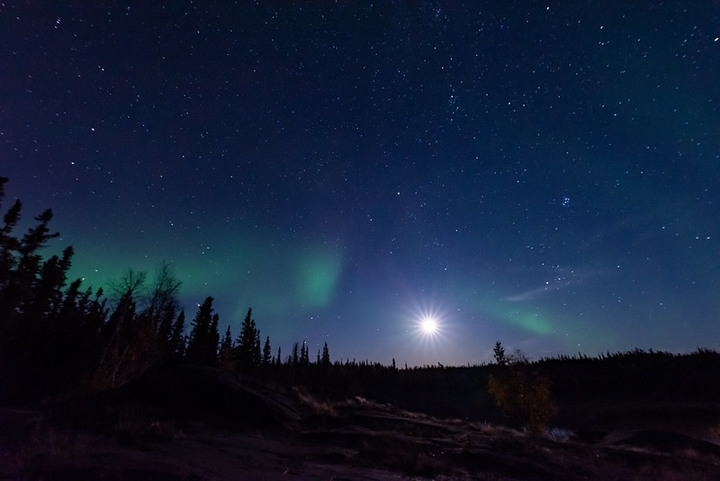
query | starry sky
(544,174)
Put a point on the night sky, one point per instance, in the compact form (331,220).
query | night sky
(544,174)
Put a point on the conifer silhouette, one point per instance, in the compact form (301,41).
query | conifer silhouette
(248,345)
(203,340)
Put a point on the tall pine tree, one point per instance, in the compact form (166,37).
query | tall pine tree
(325,360)
(267,352)
(226,351)
(248,345)
(203,341)
(177,338)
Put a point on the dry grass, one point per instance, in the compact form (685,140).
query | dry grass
(316,407)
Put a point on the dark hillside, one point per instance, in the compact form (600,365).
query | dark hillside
(185,394)
(180,422)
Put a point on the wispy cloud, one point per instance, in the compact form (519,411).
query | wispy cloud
(561,279)
(541,291)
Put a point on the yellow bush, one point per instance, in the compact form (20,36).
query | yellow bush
(526,394)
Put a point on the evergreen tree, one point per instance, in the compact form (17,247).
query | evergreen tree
(295,355)
(177,338)
(20,268)
(226,351)
(203,340)
(325,360)
(75,346)
(248,345)
(213,340)
(31,297)
(267,353)
(47,292)
(257,352)
(93,309)
(9,245)
(499,354)
(165,332)
(304,354)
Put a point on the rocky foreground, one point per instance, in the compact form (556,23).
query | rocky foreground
(201,424)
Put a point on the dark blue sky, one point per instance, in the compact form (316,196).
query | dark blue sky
(545,174)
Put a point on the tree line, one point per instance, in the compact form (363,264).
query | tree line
(57,337)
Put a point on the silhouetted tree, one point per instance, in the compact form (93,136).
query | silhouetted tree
(163,290)
(248,344)
(325,360)
(257,352)
(20,266)
(161,308)
(295,355)
(267,352)
(203,340)
(214,337)
(226,351)
(49,334)
(499,354)
(69,343)
(93,308)
(304,354)
(131,339)
(124,313)
(47,289)
(177,338)
(9,245)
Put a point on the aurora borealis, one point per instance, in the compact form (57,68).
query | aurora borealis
(543,174)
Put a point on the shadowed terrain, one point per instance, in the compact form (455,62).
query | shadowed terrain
(197,423)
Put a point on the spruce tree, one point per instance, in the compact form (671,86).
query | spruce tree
(177,338)
(257,352)
(213,341)
(295,355)
(267,352)
(9,245)
(499,354)
(203,341)
(305,354)
(226,350)
(248,344)
(325,360)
